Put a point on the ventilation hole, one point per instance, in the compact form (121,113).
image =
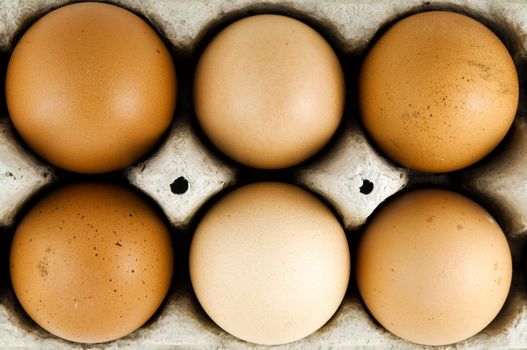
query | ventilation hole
(179,186)
(367,187)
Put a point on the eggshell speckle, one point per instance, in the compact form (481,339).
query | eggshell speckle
(269,91)
(91,262)
(269,263)
(438,91)
(433,267)
(91,87)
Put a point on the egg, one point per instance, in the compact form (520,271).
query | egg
(91,262)
(269,263)
(269,91)
(433,267)
(438,91)
(91,87)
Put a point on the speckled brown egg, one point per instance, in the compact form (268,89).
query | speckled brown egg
(438,91)
(269,91)
(91,87)
(269,263)
(433,267)
(91,262)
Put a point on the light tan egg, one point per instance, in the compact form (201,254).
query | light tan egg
(438,91)
(269,263)
(433,267)
(91,262)
(91,87)
(269,91)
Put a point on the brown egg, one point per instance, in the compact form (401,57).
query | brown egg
(433,267)
(269,91)
(91,262)
(91,87)
(438,91)
(269,263)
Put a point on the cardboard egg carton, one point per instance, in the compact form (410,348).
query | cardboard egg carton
(185,171)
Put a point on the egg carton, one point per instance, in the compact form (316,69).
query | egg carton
(185,173)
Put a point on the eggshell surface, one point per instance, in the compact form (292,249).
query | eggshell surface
(433,267)
(269,91)
(91,262)
(438,91)
(269,263)
(91,87)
